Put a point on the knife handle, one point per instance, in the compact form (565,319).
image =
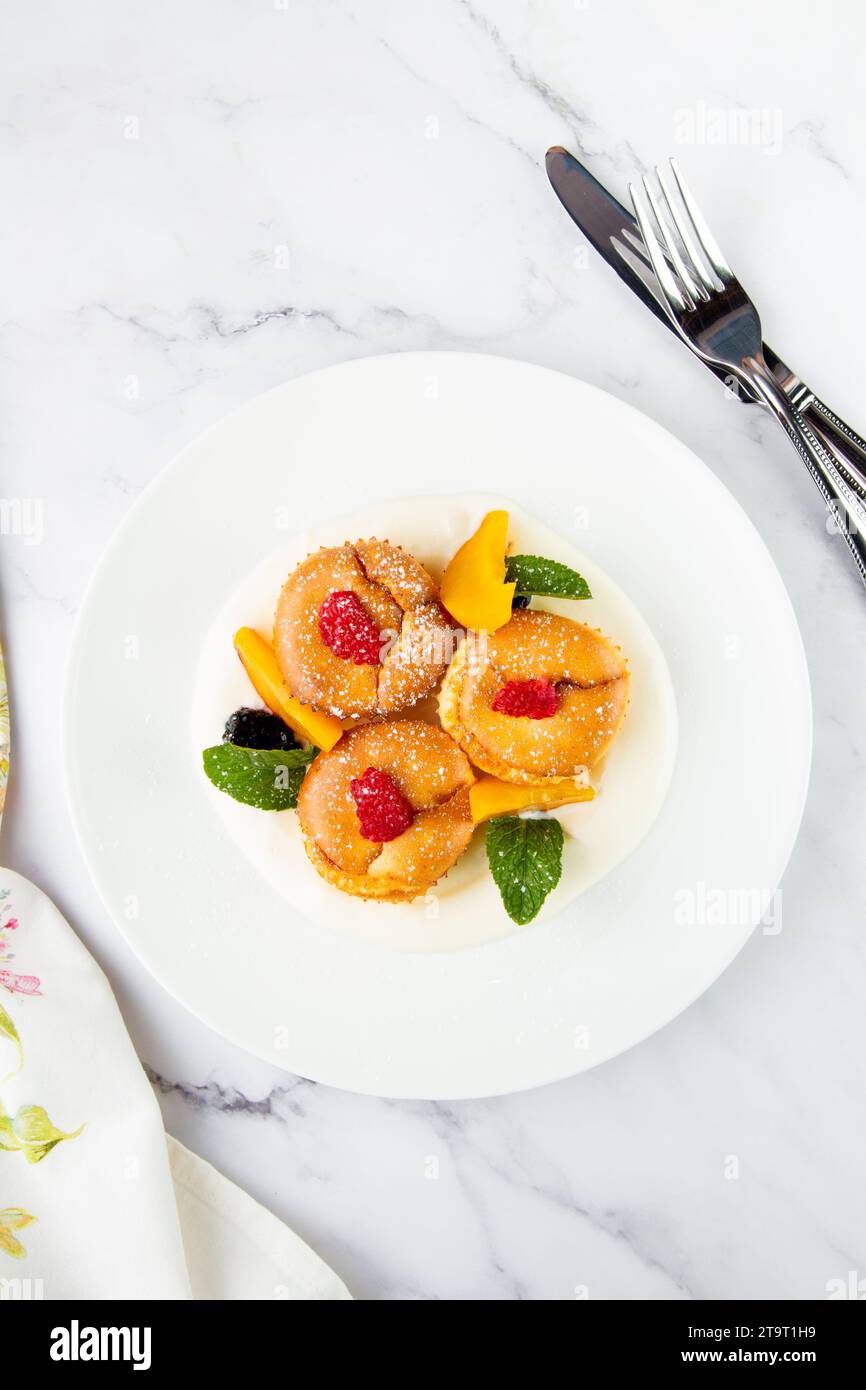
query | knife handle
(845,505)
(845,442)
(848,449)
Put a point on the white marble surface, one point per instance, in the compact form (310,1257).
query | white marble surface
(156,160)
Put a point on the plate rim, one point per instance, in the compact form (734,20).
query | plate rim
(737,939)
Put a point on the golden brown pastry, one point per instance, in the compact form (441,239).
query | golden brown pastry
(359,630)
(537,700)
(386,812)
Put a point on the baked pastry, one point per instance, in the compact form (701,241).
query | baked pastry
(359,630)
(386,812)
(540,699)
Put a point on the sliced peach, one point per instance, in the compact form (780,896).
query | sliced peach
(489,797)
(473,585)
(261,666)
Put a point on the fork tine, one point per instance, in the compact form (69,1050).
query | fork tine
(692,290)
(708,243)
(634,243)
(699,262)
(670,288)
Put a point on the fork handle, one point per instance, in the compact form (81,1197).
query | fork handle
(844,433)
(844,503)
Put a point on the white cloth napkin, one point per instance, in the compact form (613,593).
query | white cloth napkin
(94,1202)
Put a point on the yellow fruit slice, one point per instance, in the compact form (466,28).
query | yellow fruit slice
(473,585)
(490,797)
(262,667)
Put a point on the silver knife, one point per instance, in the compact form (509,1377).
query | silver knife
(614,233)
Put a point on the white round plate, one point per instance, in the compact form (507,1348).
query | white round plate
(541,1002)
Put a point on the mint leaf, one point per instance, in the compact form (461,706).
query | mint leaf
(525,858)
(534,575)
(269,778)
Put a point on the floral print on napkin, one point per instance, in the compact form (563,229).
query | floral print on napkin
(29,1131)
(13,1219)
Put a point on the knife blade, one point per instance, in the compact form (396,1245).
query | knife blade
(612,230)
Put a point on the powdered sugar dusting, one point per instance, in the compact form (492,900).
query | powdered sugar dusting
(393,593)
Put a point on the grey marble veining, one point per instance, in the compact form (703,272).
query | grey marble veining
(202,202)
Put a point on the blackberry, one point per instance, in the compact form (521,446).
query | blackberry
(258,728)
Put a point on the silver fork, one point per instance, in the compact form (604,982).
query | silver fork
(716,318)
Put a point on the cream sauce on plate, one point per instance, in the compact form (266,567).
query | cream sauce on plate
(464,909)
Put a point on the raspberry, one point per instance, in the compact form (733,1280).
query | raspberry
(383,810)
(348,629)
(534,699)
